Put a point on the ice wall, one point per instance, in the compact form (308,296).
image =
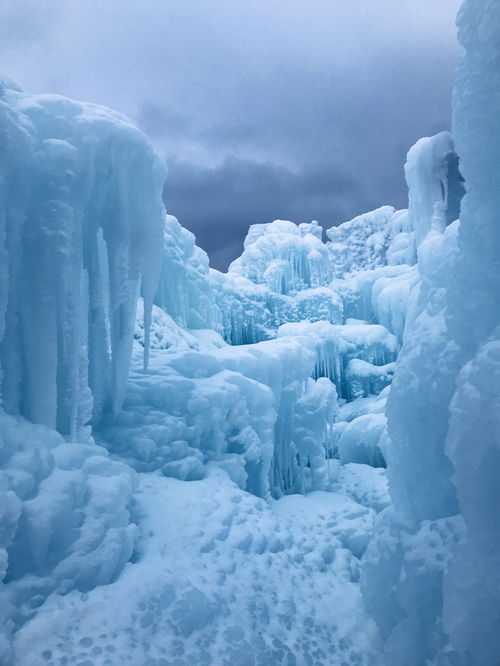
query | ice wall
(433,176)
(80,233)
(184,290)
(437,551)
(472,584)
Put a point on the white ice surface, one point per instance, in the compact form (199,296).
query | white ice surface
(221,577)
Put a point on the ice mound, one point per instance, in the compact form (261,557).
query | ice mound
(251,312)
(66,519)
(253,410)
(284,256)
(336,346)
(283,275)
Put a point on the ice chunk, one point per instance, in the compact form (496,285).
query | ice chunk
(363,440)
(252,312)
(364,378)
(284,257)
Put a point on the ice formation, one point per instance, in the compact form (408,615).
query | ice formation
(437,550)
(305,469)
(183,290)
(81,223)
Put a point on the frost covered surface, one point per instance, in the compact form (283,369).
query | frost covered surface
(222,578)
(80,224)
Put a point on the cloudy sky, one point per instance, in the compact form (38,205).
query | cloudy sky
(297,109)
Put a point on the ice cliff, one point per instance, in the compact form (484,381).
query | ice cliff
(437,549)
(194,464)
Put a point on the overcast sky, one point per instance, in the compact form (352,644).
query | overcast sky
(263,109)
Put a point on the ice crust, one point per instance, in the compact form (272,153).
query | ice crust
(305,470)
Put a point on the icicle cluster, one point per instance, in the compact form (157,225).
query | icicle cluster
(80,230)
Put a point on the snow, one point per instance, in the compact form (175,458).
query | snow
(221,577)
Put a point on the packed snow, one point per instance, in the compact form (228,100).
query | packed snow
(294,462)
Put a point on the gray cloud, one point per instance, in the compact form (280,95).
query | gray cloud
(219,204)
(262,108)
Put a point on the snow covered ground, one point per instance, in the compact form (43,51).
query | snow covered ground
(222,577)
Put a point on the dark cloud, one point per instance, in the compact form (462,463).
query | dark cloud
(262,108)
(219,204)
